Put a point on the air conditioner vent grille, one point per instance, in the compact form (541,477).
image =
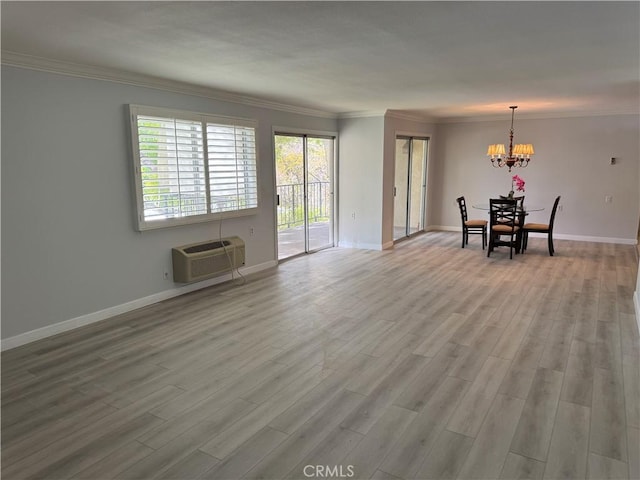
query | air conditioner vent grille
(204,266)
(199,261)
(207,246)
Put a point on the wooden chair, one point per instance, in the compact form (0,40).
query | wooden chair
(520,204)
(502,217)
(471,226)
(541,228)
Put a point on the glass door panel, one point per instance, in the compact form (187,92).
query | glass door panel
(289,154)
(319,192)
(400,189)
(417,186)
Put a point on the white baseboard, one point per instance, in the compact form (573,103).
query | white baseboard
(362,246)
(556,236)
(66,325)
(586,238)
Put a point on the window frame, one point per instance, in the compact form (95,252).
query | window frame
(143,224)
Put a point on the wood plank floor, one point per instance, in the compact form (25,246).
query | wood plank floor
(427,361)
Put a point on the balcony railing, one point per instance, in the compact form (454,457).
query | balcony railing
(291,204)
(173,205)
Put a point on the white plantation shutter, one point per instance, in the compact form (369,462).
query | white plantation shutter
(191,167)
(232,167)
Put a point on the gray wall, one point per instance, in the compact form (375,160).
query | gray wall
(360,182)
(572,160)
(69,247)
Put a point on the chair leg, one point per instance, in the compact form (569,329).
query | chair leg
(550,241)
(484,237)
(463,232)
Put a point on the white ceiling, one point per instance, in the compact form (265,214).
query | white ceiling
(437,59)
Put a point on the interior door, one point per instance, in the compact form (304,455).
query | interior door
(304,186)
(410,186)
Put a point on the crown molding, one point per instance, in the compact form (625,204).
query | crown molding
(399,114)
(542,116)
(363,114)
(411,116)
(94,72)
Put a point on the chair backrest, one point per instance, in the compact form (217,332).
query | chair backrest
(553,213)
(463,208)
(519,200)
(502,211)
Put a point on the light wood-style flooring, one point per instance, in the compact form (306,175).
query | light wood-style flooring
(427,361)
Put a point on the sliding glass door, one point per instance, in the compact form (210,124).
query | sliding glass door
(304,187)
(410,186)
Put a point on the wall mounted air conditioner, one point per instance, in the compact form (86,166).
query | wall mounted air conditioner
(199,261)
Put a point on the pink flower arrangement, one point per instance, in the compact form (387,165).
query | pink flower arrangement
(518,182)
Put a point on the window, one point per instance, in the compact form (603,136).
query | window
(192,167)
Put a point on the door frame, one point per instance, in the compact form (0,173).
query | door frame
(296,131)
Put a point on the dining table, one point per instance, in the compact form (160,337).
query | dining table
(521,212)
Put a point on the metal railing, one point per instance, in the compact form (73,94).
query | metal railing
(291,204)
(172,204)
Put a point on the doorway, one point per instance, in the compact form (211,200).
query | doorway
(304,189)
(410,186)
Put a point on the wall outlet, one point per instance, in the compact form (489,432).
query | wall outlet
(353,215)
(165,274)
(251,231)
(559,208)
(608,199)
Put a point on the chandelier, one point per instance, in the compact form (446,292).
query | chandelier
(519,154)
